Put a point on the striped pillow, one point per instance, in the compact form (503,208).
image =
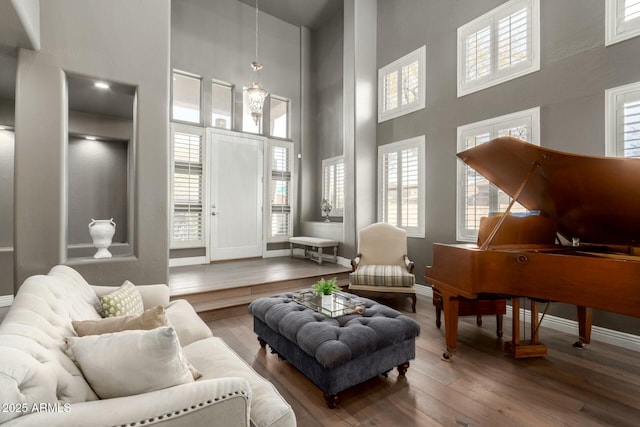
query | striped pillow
(382,275)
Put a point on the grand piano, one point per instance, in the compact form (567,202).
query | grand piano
(582,249)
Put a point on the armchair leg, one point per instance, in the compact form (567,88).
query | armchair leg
(414,300)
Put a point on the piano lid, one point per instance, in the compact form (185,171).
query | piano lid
(596,199)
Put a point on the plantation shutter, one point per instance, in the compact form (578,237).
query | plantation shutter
(410,178)
(478,54)
(188,200)
(628,124)
(628,15)
(390,188)
(513,39)
(280,192)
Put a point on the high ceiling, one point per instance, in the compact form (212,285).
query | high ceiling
(308,13)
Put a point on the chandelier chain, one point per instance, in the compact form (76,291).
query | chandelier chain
(257,30)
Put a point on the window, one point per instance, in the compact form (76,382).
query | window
(401,193)
(221,105)
(248,124)
(622,121)
(499,46)
(333,184)
(280,194)
(279,116)
(401,86)
(187,221)
(622,20)
(476,195)
(186,97)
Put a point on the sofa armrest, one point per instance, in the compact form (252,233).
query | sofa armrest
(188,325)
(225,400)
(152,295)
(355,262)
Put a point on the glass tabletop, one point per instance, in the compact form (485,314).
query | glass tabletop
(334,305)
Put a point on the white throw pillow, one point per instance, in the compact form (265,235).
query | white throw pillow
(131,362)
(124,301)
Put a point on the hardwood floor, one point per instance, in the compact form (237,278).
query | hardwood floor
(597,386)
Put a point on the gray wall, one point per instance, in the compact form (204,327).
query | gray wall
(576,68)
(120,41)
(327,45)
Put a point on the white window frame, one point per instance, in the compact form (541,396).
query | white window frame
(200,115)
(530,117)
(418,55)
(397,147)
(292,191)
(326,164)
(199,131)
(491,19)
(616,29)
(614,141)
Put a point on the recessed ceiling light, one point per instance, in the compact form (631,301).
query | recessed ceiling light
(101,85)
(90,138)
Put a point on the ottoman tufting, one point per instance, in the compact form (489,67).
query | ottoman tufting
(336,353)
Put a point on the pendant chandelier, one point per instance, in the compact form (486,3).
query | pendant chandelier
(256,93)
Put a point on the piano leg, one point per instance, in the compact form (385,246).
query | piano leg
(585,316)
(524,348)
(450,306)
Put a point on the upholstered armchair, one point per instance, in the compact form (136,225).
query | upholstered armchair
(381,265)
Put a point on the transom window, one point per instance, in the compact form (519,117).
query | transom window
(401,192)
(622,20)
(221,105)
(498,46)
(476,195)
(401,86)
(279,117)
(333,184)
(186,97)
(622,121)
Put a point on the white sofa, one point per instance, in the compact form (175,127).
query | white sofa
(40,385)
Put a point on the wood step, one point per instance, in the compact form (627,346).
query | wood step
(207,302)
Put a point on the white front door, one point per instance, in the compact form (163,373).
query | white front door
(235,206)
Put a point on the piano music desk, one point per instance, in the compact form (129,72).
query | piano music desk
(478,308)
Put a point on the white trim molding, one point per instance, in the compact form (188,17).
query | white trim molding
(180,262)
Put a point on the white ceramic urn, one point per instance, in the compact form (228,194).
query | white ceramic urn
(102,231)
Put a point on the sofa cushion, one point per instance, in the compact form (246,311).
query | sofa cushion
(121,302)
(131,362)
(189,326)
(150,319)
(382,275)
(215,359)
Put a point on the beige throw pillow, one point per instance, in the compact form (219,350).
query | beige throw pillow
(150,319)
(124,301)
(131,362)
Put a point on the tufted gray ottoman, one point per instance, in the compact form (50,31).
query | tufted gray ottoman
(337,353)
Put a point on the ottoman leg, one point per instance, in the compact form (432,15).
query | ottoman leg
(402,369)
(262,342)
(332,400)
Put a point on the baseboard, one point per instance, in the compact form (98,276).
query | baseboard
(6,300)
(276,253)
(196,260)
(598,333)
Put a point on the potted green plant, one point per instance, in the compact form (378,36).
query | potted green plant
(326,287)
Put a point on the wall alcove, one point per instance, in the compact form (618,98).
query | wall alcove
(99,160)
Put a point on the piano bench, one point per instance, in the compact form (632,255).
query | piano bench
(474,307)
